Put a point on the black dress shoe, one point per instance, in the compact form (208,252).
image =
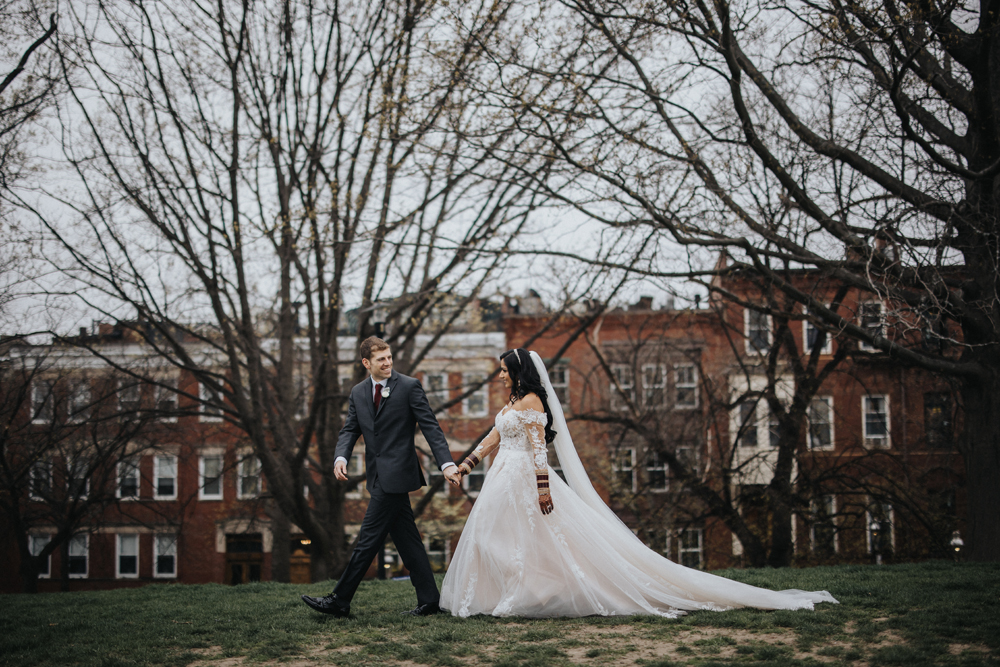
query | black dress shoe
(425,610)
(327,605)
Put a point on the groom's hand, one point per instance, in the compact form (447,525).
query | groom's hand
(452,474)
(340,471)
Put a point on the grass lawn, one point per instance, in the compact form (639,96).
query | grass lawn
(905,615)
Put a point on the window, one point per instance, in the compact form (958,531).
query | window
(871,318)
(128,479)
(746,426)
(127,566)
(937,419)
(559,377)
(624,393)
(166,399)
(165,556)
(78,550)
(355,467)
(688,457)
(248,470)
(210,471)
(36,544)
(79,402)
(654,385)
(876,420)
(624,469)
(42,402)
(129,397)
(811,334)
(211,403)
(656,472)
(773,429)
(689,547)
(78,476)
(437,390)
(820,414)
(40,480)
(757,326)
(473,482)
(685,386)
(476,404)
(823,532)
(879,527)
(165,477)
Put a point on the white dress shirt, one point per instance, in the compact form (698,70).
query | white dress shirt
(377,386)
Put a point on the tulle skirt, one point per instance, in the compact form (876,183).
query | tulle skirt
(514,561)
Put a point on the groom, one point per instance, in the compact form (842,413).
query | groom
(385,409)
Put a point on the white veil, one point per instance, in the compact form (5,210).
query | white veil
(689,588)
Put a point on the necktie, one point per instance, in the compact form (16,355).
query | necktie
(378,395)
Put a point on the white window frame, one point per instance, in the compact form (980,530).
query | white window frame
(45,466)
(80,396)
(659,383)
(43,411)
(37,543)
(808,326)
(86,555)
(206,412)
(163,395)
(559,377)
(617,468)
(355,466)
(876,441)
(747,338)
(828,400)
(441,393)
(480,471)
(700,550)
(124,467)
(128,404)
(241,475)
(687,384)
(157,468)
(830,500)
(891,515)
(118,556)
(157,554)
(653,464)
(202,495)
(881,321)
(71,468)
(469,379)
(625,375)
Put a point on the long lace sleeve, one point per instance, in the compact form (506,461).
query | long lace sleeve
(536,436)
(485,448)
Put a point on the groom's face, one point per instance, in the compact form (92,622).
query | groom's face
(380,364)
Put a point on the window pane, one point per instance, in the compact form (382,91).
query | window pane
(128,479)
(128,554)
(748,425)
(37,544)
(78,555)
(166,555)
(820,423)
(166,476)
(876,425)
(212,476)
(758,331)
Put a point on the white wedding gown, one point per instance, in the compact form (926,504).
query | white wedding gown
(579,560)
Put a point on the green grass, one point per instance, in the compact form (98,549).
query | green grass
(940,614)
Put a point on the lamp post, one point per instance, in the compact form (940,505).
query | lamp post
(956,544)
(875,530)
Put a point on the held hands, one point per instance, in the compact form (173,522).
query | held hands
(453,475)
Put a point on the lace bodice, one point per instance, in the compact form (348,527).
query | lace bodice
(518,430)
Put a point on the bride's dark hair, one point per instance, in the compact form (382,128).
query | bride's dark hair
(524,380)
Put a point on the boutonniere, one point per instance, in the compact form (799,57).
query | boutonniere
(385,391)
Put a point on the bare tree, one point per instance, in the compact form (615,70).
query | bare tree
(856,140)
(246,172)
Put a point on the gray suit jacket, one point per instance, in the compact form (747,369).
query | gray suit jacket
(390,455)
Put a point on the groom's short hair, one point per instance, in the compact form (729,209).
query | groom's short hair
(371,345)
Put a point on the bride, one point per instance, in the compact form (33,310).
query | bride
(539,547)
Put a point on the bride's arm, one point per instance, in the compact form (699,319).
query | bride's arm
(484,449)
(536,436)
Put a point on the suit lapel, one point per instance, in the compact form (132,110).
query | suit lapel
(370,404)
(391,386)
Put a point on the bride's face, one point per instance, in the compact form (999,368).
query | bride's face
(504,375)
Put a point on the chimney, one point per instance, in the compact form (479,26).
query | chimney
(645,303)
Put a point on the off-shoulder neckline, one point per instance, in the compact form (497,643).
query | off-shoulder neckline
(508,409)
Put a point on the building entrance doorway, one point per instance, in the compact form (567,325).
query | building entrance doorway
(244,558)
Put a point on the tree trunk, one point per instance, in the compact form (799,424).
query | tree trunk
(981,451)
(281,556)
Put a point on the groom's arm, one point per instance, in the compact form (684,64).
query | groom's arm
(347,438)
(429,426)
